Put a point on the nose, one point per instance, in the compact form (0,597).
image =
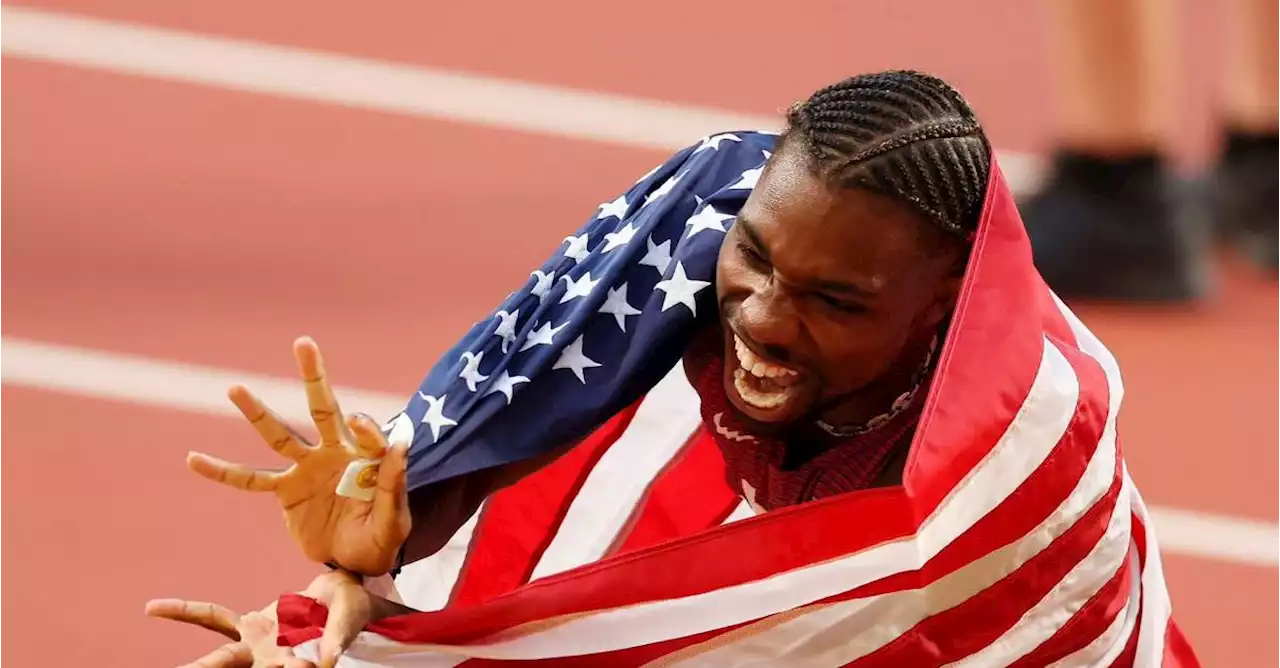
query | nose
(768,317)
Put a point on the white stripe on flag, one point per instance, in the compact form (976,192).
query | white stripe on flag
(1057,608)
(666,419)
(1104,649)
(741,512)
(426,584)
(1156,606)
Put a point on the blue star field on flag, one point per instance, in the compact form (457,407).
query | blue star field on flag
(595,327)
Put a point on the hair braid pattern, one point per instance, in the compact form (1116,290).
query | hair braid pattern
(902,134)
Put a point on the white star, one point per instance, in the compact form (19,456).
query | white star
(707,219)
(573,359)
(506,384)
(435,415)
(399,429)
(542,336)
(507,327)
(617,208)
(543,287)
(714,141)
(616,305)
(579,288)
(666,187)
(471,369)
(577,247)
(659,255)
(680,290)
(749,179)
(620,238)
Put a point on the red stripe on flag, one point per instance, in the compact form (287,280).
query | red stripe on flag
(1049,485)
(990,360)
(1087,624)
(964,629)
(1177,651)
(1130,652)
(1138,534)
(688,496)
(519,522)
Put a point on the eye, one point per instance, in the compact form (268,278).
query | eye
(752,256)
(840,304)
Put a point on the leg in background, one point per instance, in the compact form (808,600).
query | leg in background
(1245,184)
(1104,227)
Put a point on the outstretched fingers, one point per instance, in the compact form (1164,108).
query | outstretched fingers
(233,475)
(207,615)
(274,430)
(324,405)
(370,443)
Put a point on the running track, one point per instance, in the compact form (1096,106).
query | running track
(175,217)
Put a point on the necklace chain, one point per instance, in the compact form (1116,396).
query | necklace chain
(900,404)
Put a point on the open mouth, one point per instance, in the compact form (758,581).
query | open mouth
(762,384)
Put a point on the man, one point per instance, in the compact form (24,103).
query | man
(856,491)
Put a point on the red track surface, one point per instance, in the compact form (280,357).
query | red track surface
(195,224)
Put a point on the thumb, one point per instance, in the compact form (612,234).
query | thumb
(349,611)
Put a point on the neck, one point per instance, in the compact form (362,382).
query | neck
(878,397)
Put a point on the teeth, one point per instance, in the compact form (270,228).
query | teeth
(757,367)
(754,397)
(759,383)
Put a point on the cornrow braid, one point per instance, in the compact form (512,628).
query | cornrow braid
(902,134)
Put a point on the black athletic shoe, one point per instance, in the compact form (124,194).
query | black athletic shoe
(1104,230)
(1244,196)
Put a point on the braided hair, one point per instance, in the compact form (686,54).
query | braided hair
(902,134)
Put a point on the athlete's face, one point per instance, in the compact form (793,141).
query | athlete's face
(821,289)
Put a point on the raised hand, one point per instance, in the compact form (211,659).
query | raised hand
(253,636)
(361,536)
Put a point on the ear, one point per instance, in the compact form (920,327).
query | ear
(944,300)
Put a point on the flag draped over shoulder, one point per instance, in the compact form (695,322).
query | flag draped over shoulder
(1016,538)
(592,329)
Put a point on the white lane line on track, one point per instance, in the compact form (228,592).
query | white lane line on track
(401,88)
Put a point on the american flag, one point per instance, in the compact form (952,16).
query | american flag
(1016,538)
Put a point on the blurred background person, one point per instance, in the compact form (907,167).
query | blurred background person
(1110,222)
